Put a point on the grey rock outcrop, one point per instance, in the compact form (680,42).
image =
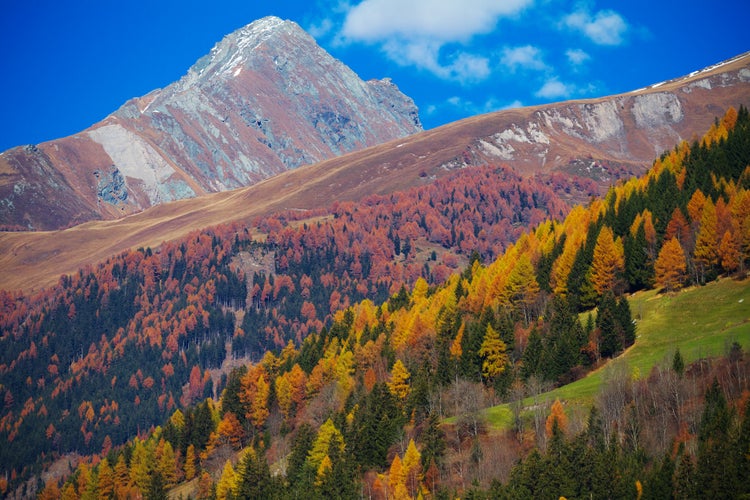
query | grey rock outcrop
(265,99)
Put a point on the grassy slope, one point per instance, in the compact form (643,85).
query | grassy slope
(701,321)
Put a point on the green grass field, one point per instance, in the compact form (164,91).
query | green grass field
(700,321)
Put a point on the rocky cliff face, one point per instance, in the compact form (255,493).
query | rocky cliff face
(266,99)
(614,136)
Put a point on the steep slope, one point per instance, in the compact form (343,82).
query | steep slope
(556,139)
(382,374)
(266,99)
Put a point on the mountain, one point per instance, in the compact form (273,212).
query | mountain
(266,99)
(596,139)
(135,341)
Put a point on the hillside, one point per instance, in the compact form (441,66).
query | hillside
(264,100)
(529,140)
(376,371)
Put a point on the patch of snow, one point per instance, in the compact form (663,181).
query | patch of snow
(237,71)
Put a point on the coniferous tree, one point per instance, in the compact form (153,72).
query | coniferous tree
(433,442)
(532,355)
(714,477)
(606,322)
(670,266)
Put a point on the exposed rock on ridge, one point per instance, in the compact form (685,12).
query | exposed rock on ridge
(621,133)
(265,99)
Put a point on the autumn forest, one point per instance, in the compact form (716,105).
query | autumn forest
(351,352)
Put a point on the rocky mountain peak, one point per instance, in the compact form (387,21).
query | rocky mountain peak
(265,99)
(236,48)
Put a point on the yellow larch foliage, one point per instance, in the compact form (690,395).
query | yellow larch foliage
(455,349)
(319,449)
(670,267)
(399,384)
(395,475)
(557,414)
(609,261)
(411,469)
(227,482)
(493,353)
(323,469)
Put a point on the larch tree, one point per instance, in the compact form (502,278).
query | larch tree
(670,267)
(608,263)
(522,286)
(190,462)
(729,253)
(706,253)
(493,354)
(399,384)
(227,483)
(322,443)
(411,469)
(556,417)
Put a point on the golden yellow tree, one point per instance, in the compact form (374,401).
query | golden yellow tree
(190,462)
(608,263)
(729,253)
(522,286)
(493,354)
(227,482)
(105,479)
(706,253)
(319,449)
(670,267)
(166,463)
(399,384)
(411,469)
(396,477)
(557,415)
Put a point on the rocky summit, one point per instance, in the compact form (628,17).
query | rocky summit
(265,99)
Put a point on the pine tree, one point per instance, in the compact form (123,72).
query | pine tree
(301,447)
(532,355)
(253,478)
(433,442)
(714,477)
(608,327)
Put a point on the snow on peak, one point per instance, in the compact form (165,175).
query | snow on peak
(227,56)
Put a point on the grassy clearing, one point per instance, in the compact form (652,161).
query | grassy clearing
(700,321)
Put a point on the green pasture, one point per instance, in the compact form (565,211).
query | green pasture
(701,321)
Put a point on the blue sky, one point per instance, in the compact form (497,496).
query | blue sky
(67,65)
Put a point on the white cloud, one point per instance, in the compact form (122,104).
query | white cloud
(525,57)
(321,29)
(576,57)
(555,89)
(606,27)
(415,32)
(471,108)
(439,20)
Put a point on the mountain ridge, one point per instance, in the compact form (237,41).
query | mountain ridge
(265,99)
(394,165)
